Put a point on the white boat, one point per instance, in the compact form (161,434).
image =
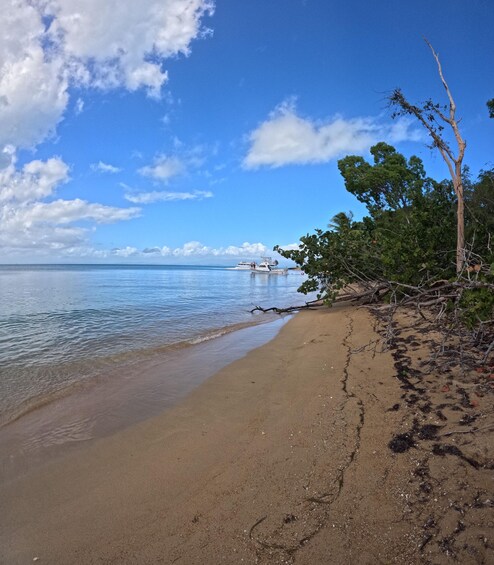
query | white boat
(244,266)
(268,266)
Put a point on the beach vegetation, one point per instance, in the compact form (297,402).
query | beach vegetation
(403,250)
(422,242)
(490,107)
(479,199)
(407,236)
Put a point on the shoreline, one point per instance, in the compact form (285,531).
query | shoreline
(281,457)
(121,362)
(103,320)
(107,403)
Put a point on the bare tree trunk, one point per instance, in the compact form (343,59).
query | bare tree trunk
(431,116)
(460,238)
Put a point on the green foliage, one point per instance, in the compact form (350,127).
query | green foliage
(413,215)
(477,305)
(335,257)
(408,235)
(490,106)
(391,183)
(479,204)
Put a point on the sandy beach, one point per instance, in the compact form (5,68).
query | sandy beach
(316,448)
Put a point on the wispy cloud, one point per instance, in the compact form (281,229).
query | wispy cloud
(183,160)
(29,222)
(79,106)
(163,168)
(285,138)
(290,247)
(105,168)
(163,196)
(128,251)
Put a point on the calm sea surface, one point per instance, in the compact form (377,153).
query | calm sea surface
(61,326)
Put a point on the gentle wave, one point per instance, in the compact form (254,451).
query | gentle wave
(88,372)
(64,326)
(208,337)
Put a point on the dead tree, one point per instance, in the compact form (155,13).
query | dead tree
(433,117)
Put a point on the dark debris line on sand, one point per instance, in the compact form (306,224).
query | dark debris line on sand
(450,480)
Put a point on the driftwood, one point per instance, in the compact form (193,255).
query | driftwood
(349,294)
(440,308)
(307,306)
(469,431)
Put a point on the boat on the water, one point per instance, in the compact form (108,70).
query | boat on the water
(244,266)
(268,267)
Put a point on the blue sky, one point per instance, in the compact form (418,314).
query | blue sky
(193,131)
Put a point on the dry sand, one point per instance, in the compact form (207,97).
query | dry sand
(283,456)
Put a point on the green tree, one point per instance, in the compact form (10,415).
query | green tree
(336,257)
(411,213)
(390,183)
(490,106)
(407,236)
(479,200)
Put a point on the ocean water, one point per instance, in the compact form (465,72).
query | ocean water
(63,327)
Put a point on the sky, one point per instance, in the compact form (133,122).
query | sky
(208,131)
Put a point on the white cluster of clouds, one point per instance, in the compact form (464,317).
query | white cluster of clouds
(28,222)
(285,138)
(194,249)
(47,46)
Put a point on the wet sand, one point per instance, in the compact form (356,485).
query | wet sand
(283,456)
(121,397)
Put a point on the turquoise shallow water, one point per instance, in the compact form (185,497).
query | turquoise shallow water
(61,326)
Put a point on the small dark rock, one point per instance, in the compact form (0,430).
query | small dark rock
(441,416)
(430,522)
(426,487)
(426,408)
(468,419)
(460,527)
(429,431)
(401,443)
(289,518)
(421,472)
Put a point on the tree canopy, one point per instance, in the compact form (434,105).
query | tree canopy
(390,183)
(490,106)
(407,238)
(408,234)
